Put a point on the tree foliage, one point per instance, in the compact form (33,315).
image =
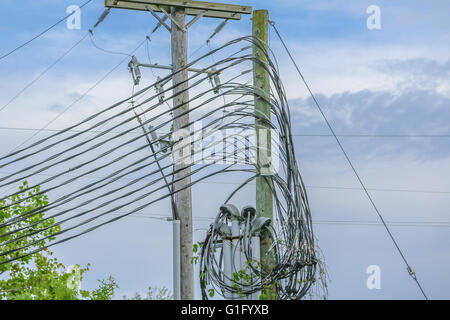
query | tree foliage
(153,294)
(39,276)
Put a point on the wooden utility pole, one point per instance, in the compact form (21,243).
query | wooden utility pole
(183,197)
(261,82)
(176,11)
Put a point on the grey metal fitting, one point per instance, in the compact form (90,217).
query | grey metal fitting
(230,211)
(259,224)
(248,210)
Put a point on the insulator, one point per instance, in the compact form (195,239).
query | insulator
(135,70)
(153,133)
(102,17)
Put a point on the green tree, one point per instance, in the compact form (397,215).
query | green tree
(153,294)
(39,276)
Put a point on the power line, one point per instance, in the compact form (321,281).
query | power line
(298,201)
(237,183)
(115,148)
(102,17)
(434,224)
(376,135)
(381,189)
(445,224)
(78,99)
(105,50)
(294,135)
(294,197)
(409,269)
(57,130)
(43,72)
(399,223)
(345,188)
(42,33)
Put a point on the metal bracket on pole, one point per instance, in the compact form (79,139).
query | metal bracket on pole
(159,24)
(172,19)
(192,8)
(161,21)
(190,23)
(158,66)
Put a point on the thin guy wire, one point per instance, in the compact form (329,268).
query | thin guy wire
(412,274)
(42,33)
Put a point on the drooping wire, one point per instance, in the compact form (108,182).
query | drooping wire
(105,50)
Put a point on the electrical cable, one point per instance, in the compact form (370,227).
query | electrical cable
(43,73)
(74,102)
(135,184)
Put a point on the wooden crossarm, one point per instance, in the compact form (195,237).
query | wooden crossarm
(194,8)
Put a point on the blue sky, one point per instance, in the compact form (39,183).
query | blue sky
(381,83)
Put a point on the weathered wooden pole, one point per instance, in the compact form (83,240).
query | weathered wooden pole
(181,151)
(183,197)
(261,82)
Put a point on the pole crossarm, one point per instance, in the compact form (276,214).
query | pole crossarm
(160,21)
(192,8)
(181,27)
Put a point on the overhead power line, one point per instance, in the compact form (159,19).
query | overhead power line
(78,99)
(101,197)
(105,50)
(53,130)
(382,189)
(433,224)
(294,135)
(444,224)
(41,33)
(43,73)
(375,135)
(18,94)
(385,189)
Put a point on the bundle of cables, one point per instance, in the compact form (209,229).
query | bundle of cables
(132,169)
(259,257)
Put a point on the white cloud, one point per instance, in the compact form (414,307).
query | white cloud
(338,67)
